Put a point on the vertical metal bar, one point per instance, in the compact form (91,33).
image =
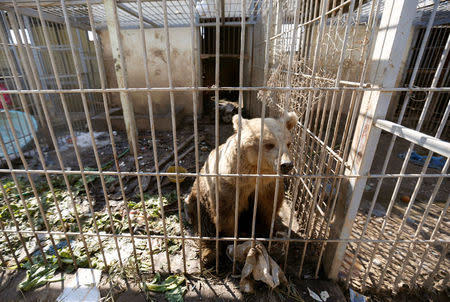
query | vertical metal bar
(71,130)
(101,70)
(413,282)
(311,95)
(394,31)
(36,73)
(222,12)
(37,58)
(12,250)
(24,204)
(250,50)
(195,66)
(154,147)
(328,130)
(216,129)
(16,140)
(429,282)
(354,28)
(334,21)
(278,28)
(83,59)
(15,62)
(422,222)
(310,29)
(312,162)
(112,21)
(302,161)
(24,67)
(10,139)
(406,160)
(174,130)
(383,170)
(99,167)
(285,104)
(3,262)
(94,146)
(33,132)
(238,160)
(16,224)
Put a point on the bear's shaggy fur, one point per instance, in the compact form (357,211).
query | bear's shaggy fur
(276,136)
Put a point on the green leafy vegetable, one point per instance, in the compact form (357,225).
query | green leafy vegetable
(172,286)
(39,274)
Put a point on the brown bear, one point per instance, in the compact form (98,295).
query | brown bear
(276,136)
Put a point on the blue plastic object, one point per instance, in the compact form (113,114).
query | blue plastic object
(21,127)
(436,162)
(356,297)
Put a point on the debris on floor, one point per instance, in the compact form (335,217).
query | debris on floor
(39,273)
(173,286)
(320,298)
(258,265)
(436,162)
(83,287)
(356,297)
(83,140)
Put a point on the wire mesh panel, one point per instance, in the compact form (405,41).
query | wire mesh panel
(122,103)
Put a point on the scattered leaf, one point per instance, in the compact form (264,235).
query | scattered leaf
(39,274)
(172,286)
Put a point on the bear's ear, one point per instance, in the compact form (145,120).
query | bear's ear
(236,122)
(290,118)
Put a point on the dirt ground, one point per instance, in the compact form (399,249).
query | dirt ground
(206,287)
(123,287)
(199,288)
(392,228)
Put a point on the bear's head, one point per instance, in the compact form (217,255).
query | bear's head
(276,139)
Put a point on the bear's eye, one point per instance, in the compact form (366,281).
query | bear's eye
(269,146)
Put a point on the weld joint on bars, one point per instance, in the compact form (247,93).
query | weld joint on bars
(253,88)
(131,173)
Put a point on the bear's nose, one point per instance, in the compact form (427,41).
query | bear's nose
(286,167)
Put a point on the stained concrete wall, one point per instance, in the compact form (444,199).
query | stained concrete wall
(181,54)
(253,105)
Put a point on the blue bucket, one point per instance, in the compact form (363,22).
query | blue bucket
(23,132)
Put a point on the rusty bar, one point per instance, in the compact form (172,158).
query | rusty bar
(174,129)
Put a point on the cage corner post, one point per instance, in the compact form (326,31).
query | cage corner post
(113,26)
(388,54)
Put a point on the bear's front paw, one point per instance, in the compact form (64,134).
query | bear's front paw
(208,257)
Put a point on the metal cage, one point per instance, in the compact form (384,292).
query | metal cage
(367,201)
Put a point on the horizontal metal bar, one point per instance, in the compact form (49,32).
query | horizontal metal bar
(229,23)
(343,82)
(130,173)
(252,88)
(136,26)
(49,3)
(136,15)
(321,142)
(429,142)
(299,240)
(51,18)
(310,21)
